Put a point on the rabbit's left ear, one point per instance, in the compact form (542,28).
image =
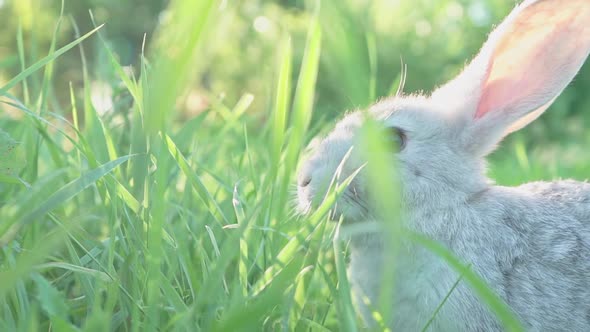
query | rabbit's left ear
(525,64)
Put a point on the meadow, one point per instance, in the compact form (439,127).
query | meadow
(148,153)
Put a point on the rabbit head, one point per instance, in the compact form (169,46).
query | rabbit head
(443,138)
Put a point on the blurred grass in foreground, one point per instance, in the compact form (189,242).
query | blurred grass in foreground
(139,217)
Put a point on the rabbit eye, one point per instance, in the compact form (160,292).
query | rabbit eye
(397,138)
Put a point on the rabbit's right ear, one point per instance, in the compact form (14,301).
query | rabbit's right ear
(524,65)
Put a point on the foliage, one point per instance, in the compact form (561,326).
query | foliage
(148,187)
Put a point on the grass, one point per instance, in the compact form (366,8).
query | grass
(154,224)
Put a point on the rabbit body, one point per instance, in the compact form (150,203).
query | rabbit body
(531,244)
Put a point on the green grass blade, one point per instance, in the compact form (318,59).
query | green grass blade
(23,63)
(39,64)
(385,186)
(442,303)
(48,71)
(344,300)
(504,314)
(304,278)
(250,315)
(182,33)
(74,268)
(11,158)
(25,216)
(204,194)
(243,261)
(281,107)
(304,95)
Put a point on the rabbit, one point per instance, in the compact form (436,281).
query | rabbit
(530,244)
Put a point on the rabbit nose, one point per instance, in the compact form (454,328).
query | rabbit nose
(305,180)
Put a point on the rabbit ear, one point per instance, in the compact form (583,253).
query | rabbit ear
(525,64)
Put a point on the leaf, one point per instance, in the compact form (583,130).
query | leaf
(39,64)
(77,269)
(503,312)
(305,92)
(11,157)
(281,108)
(52,301)
(176,48)
(201,190)
(27,215)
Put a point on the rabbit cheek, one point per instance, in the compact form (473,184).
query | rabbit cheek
(350,206)
(303,200)
(311,189)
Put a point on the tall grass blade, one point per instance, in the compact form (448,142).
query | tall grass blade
(25,215)
(283,92)
(504,314)
(39,64)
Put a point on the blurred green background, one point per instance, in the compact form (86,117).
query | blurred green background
(364,46)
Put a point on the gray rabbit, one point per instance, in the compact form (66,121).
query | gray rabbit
(530,243)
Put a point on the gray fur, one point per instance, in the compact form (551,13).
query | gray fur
(531,243)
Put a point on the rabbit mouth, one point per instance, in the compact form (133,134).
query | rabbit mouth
(351,207)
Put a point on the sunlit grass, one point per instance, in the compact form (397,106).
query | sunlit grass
(148,223)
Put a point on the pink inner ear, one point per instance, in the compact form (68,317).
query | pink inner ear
(536,56)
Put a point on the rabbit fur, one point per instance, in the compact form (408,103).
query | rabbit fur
(531,243)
